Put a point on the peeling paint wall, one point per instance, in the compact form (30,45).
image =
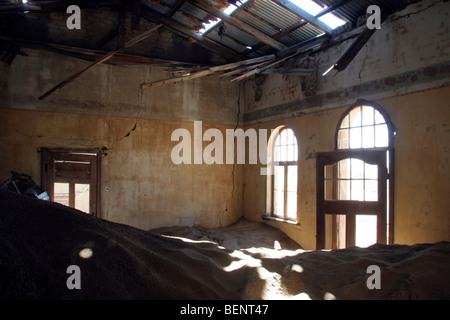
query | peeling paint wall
(410,53)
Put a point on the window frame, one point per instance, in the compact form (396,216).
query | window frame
(392,131)
(270,210)
(49,174)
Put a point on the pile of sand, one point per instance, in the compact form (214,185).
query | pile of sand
(39,240)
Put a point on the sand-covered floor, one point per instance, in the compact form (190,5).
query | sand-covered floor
(39,240)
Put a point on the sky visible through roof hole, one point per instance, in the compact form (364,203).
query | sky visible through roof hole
(308,5)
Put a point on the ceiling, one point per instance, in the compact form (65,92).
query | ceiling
(138,31)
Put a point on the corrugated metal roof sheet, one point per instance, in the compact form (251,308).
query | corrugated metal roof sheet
(274,13)
(263,15)
(193,11)
(352,10)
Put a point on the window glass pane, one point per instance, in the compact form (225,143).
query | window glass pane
(371,190)
(344,169)
(367,129)
(295,152)
(357,190)
(355,138)
(329,171)
(283,153)
(366,230)
(381,136)
(292,205)
(61,193)
(283,137)
(367,115)
(278,204)
(276,153)
(355,117)
(292,179)
(370,171)
(379,118)
(343,139)
(289,153)
(279,178)
(329,190)
(290,136)
(82,197)
(357,169)
(344,190)
(368,137)
(345,122)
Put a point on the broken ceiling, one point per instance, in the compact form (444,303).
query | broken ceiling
(235,38)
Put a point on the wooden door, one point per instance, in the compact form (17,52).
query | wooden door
(331,202)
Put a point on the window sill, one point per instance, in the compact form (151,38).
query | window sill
(264,217)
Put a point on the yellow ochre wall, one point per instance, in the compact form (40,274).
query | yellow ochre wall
(422,184)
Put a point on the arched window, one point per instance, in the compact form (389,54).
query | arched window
(363,127)
(282,180)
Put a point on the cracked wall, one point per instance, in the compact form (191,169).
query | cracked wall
(105,108)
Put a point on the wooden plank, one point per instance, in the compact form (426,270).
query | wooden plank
(263,68)
(357,45)
(351,207)
(72,170)
(297,71)
(142,36)
(305,15)
(184,77)
(301,49)
(243,70)
(209,71)
(261,36)
(234,65)
(78,74)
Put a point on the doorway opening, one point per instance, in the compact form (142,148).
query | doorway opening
(358,178)
(72,177)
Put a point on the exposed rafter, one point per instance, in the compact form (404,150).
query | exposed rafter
(235,22)
(154,16)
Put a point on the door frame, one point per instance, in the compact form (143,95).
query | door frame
(93,177)
(351,207)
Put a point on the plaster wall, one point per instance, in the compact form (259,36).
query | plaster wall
(140,184)
(421,168)
(404,67)
(410,53)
